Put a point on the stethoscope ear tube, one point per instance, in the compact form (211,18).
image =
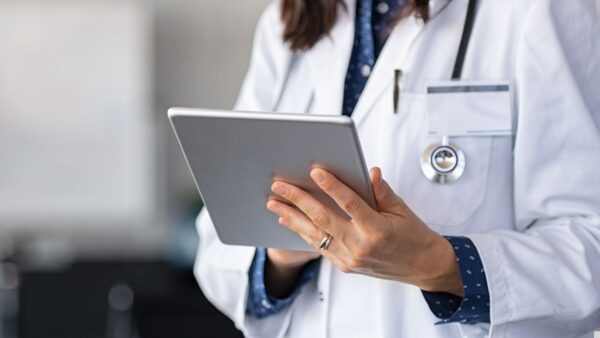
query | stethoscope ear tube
(445,162)
(464,40)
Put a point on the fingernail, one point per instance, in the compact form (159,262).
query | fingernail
(271,205)
(318,176)
(279,189)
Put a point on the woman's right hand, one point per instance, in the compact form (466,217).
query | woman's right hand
(283,269)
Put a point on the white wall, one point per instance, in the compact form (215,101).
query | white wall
(75,104)
(198,54)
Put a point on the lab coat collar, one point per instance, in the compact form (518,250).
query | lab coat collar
(396,55)
(328,61)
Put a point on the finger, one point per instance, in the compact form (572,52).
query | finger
(344,196)
(376,176)
(296,221)
(386,198)
(321,216)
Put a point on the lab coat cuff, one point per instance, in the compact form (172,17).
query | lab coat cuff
(496,275)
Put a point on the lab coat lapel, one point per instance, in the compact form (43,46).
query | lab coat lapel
(398,53)
(328,61)
(394,52)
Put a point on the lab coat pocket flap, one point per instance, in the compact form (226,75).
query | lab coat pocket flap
(460,108)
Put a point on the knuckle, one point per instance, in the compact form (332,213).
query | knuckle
(321,218)
(316,237)
(352,205)
(293,196)
(283,212)
(377,237)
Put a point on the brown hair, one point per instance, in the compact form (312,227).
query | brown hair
(307,21)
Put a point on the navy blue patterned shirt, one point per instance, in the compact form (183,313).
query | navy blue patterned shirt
(474,306)
(372,29)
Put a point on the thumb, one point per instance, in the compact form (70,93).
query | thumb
(386,198)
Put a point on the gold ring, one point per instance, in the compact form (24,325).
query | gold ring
(325,242)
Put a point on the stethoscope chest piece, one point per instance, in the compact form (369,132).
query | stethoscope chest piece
(443,162)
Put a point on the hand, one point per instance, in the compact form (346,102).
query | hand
(282,270)
(390,242)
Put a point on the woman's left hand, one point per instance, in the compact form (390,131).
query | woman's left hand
(390,242)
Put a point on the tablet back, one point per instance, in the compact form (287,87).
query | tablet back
(234,157)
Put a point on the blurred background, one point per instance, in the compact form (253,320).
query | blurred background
(97,205)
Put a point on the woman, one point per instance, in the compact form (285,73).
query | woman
(509,248)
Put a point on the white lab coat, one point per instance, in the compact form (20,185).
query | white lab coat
(530,203)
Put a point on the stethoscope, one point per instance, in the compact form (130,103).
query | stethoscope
(445,162)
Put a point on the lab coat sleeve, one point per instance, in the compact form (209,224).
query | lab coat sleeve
(222,270)
(544,279)
(222,273)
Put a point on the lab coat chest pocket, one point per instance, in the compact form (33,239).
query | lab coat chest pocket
(452,204)
(396,142)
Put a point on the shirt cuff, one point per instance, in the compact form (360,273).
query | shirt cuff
(474,307)
(260,304)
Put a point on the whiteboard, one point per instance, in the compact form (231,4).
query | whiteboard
(76,144)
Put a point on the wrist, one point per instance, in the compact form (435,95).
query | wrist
(282,270)
(280,277)
(442,273)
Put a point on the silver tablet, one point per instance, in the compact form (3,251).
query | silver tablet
(235,156)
